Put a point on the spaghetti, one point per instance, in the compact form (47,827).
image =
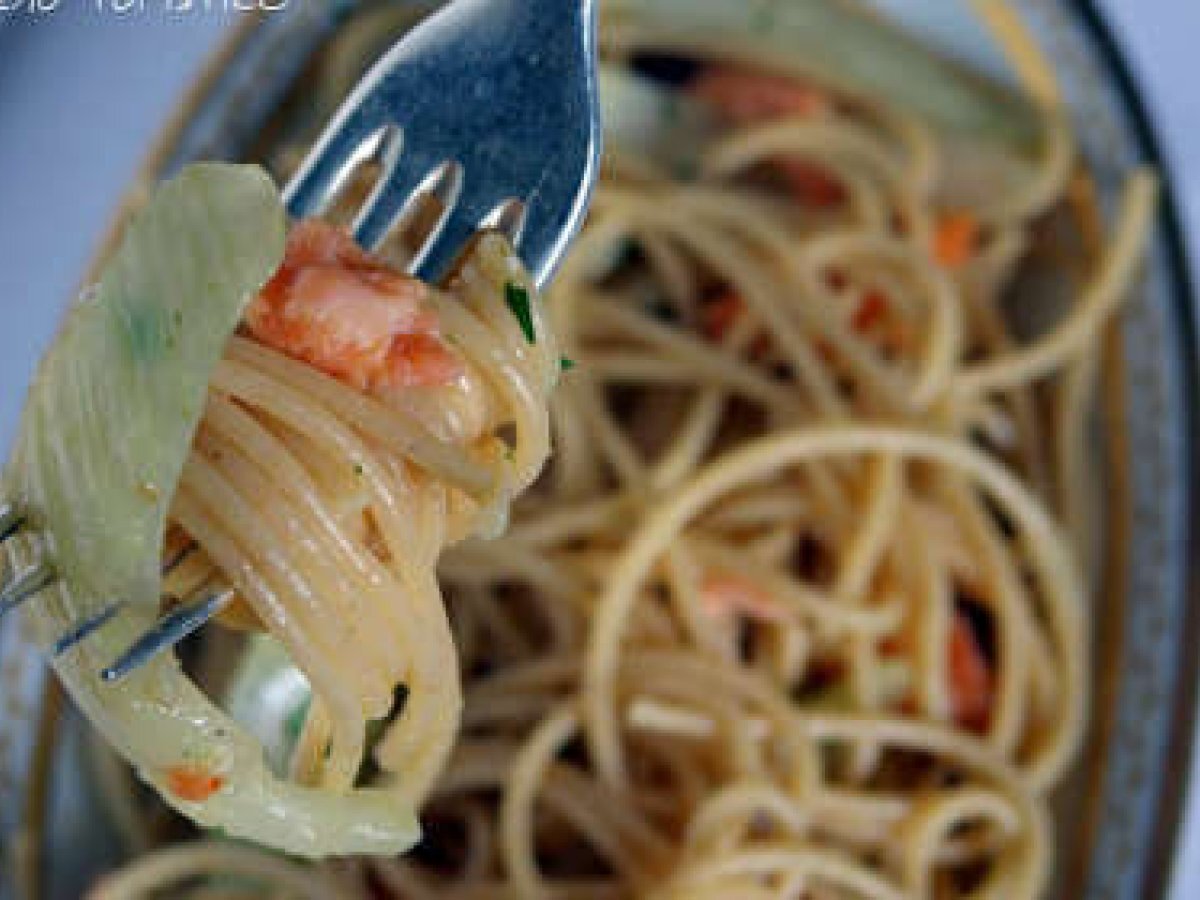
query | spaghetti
(328,510)
(800,607)
(358,423)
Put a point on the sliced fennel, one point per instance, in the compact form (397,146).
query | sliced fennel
(837,40)
(270,696)
(106,429)
(646,119)
(652,124)
(110,415)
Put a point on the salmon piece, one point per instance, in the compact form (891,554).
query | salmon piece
(418,360)
(956,239)
(193,783)
(344,312)
(873,310)
(972,683)
(744,97)
(725,596)
(875,319)
(719,316)
(810,184)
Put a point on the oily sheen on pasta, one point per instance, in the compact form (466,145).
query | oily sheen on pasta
(800,607)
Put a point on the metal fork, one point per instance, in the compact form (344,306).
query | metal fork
(487,107)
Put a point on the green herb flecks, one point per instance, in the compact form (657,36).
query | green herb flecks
(566,364)
(296,719)
(521,306)
(369,770)
(145,331)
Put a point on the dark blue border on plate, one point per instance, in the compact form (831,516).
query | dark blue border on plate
(1158,867)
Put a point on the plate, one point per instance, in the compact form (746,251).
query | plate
(1125,800)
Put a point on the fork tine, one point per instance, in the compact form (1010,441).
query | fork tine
(447,244)
(86,628)
(509,220)
(29,583)
(167,632)
(11,594)
(399,193)
(89,626)
(11,518)
(391,191)
(345,146)
(179,558)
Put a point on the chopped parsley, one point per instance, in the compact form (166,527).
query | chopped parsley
(294,723)
(369,770)
(518,301)
(566,364)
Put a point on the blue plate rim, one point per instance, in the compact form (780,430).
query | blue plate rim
(1158,866)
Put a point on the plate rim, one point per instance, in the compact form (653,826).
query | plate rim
(1159,865)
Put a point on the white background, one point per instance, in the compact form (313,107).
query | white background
(111,81)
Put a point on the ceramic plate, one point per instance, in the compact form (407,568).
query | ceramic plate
(1124,802)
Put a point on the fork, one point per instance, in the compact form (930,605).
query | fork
(489,109)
